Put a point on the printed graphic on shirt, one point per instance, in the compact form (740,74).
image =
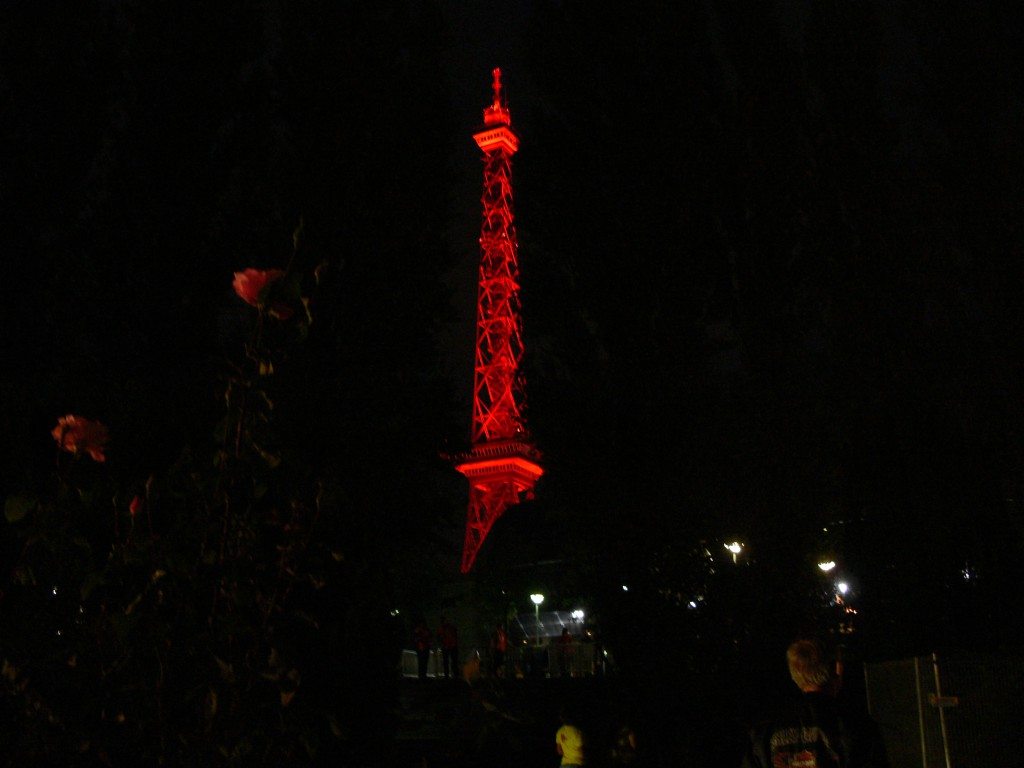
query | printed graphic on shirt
(802,748)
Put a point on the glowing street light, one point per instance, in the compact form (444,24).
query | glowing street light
(827,565)
(537,599)
(577,615)
(735,547)
(843,587)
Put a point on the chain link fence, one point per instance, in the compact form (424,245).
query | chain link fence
(957,711)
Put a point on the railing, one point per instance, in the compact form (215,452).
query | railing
(549,660)
(435,666)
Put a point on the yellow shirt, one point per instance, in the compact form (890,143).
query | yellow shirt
(570,740)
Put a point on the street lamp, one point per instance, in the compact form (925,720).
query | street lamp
(735,547)
(537,600)
(827,565)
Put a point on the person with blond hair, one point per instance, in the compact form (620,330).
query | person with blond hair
(570,743)
(808,667)
(817,730)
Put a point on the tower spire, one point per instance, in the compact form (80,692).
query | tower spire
(502,465)
(497,112)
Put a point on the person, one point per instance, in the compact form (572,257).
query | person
(471,669)
(624,751)
(499,646)
(565,649)
(421,642)
(569,742)
(448,636)
(817,731)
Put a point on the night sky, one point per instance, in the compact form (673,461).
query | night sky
(771,252)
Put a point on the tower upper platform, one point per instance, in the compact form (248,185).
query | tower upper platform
(498,133)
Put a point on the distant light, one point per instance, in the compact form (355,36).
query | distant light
(537,598)
(54,590)
(577,615)
(692,604)
(625,588)
(394,611)
(827,566)
(735,547)
(843,587)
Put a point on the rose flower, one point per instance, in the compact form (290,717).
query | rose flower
(250,283)
(75,434)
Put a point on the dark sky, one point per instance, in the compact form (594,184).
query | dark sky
(772,252)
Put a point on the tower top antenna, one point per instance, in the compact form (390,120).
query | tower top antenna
(497,86)
(497,113)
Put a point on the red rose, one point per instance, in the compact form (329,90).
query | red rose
(75,434)
(250,283)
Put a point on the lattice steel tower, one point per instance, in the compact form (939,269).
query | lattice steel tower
(502,465)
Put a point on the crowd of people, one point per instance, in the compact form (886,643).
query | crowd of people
(819,729)
(561,658)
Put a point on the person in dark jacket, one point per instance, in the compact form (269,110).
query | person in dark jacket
(448,636)
(817,731)
(421,641)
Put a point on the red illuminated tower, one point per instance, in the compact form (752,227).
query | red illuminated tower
(502,465)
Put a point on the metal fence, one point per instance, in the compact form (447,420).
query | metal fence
(435,667)
(522,660)
(553,660)
(960,711)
